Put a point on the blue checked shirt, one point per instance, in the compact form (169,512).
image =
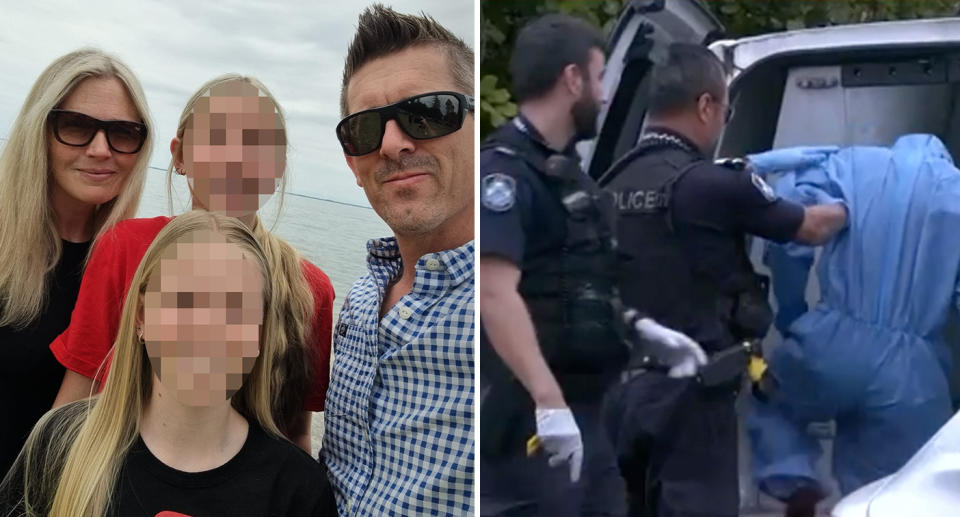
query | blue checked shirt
(399,410)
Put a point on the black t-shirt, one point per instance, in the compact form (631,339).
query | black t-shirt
(30,376)
(268,477)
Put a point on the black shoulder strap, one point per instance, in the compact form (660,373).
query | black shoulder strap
(620,164)
(683,172)
(530,158)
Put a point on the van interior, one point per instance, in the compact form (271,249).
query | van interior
(856,97)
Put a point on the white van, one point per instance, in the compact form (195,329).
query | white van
(846,85)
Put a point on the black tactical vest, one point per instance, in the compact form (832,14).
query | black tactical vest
(571,290)
(662,275)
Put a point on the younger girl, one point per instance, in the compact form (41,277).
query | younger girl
(184,425)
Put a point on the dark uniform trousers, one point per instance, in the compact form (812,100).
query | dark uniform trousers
(676,445)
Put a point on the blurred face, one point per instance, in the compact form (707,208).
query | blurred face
(202,314)
(587,108)
(416,186)
(92,174)
(233,152)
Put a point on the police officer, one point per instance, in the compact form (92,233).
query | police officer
(683,223)
(553,335)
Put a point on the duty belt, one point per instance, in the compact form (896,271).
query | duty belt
(722,367)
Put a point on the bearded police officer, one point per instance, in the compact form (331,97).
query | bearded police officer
(553,334)
(683,222)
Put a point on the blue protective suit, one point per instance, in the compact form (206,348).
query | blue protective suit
(870,354)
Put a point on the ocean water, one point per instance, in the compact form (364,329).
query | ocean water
(329,234)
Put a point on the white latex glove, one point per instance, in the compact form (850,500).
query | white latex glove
(682,354)
(560,438)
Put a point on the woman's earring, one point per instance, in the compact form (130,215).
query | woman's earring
(140,334)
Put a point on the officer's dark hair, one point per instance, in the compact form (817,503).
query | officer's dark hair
(689,71)
(544,47)
(382,31)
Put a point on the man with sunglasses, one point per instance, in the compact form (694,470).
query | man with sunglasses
(553,334)
(399,433)
(683,222)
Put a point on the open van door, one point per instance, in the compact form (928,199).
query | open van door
(639,40)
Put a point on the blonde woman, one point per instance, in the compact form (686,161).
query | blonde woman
(231,146)
(73,165)
(184,425)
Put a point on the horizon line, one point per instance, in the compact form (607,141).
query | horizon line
(291,193)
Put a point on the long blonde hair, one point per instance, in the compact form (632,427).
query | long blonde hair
(30,244)
(293,300)
(96,441)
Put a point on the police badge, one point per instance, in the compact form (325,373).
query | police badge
(499,192)
(763,187)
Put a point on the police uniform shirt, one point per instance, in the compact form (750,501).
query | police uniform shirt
(710,209)
(734,201)
(710,202)
(520,216)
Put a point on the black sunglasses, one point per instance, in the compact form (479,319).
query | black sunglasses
(77,130)
(430,115)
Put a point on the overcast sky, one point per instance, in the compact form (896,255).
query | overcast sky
(296,48)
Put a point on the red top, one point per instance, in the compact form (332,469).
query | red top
(96,316)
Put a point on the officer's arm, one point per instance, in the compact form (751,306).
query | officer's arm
(510,329)
(821,223)
(745,202)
